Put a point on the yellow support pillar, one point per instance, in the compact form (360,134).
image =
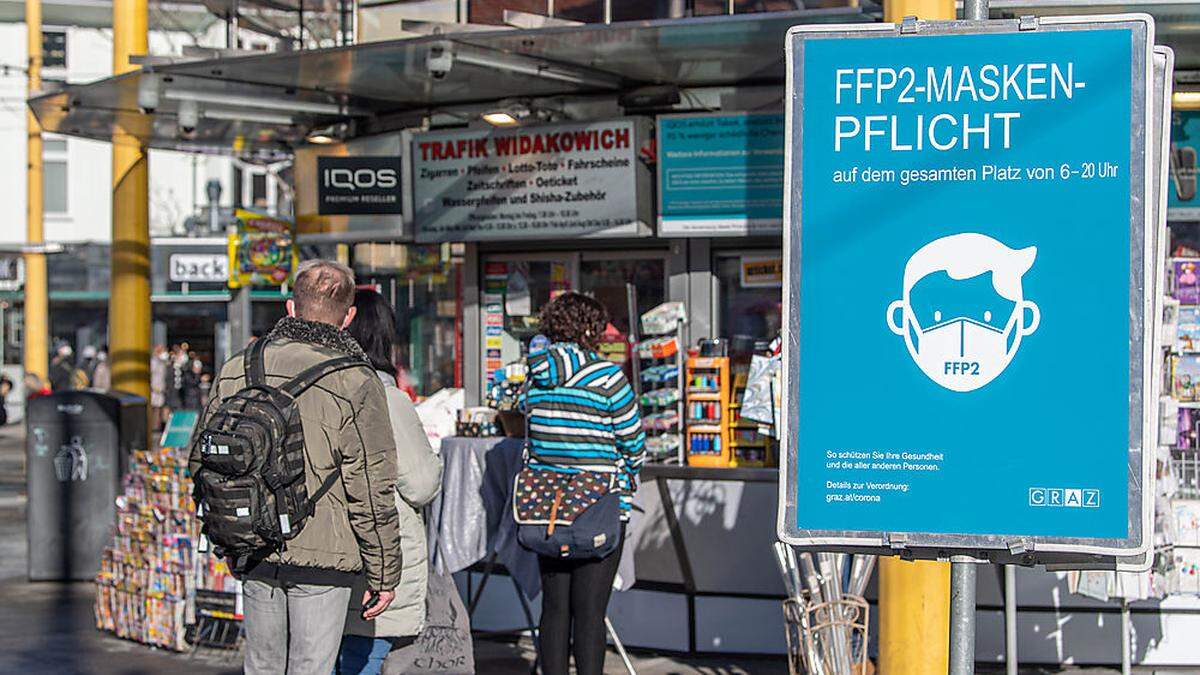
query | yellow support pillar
(36,354)
(914,617)
(914,597)
(129,298)
(895,10)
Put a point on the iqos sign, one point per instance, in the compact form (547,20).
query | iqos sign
(358,185)
(360,179)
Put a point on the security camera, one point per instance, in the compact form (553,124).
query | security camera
(147,94)
(189,119)
(439,60)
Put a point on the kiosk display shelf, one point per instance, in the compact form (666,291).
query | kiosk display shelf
(657,357)
(708,412)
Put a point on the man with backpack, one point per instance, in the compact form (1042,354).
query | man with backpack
(295,466)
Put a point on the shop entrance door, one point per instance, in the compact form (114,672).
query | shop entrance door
(514,288)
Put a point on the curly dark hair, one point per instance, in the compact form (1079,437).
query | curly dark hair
(574,317)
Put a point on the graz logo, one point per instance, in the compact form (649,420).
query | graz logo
(1071,498)
(361,179)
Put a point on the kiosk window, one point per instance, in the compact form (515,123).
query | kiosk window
(750,300)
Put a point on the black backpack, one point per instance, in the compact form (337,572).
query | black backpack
(250,491)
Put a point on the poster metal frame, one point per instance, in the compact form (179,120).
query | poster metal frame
(1143,409)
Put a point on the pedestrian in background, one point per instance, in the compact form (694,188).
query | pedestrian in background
(6,386)
(418,481)
(582,417)
(193,397)
(61,368)
(34,386)
(101,373)
(158,384)
(86,366)
(295,599)
(175,378)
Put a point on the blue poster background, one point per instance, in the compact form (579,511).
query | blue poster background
(1057,417)
(721,174)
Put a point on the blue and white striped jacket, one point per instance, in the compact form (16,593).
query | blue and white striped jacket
(583,416)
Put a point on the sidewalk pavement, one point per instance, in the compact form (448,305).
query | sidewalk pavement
(49,627)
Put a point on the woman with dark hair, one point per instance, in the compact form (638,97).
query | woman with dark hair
(583,417)
(419,478)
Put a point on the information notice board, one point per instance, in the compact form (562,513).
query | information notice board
(966,292)
(552,181)
(720,174)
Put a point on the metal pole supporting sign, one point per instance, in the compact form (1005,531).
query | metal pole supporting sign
(962,569)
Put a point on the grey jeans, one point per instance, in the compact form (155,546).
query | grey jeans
(292,629)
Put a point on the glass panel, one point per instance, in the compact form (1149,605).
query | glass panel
(54,185)
(258,190)
(54,49)
(749,313)
(52,146)
(513,295)
(79,268)
(422,283)
(605,280)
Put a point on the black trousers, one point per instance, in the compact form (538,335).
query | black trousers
(574,601)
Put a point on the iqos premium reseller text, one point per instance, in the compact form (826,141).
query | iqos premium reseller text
(980,295)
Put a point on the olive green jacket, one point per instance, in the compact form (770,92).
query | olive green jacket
(355,526)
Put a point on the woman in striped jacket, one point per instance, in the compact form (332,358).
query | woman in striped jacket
(583,416)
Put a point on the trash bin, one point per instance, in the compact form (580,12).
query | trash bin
(77,447)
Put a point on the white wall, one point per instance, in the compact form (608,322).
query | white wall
(174,185)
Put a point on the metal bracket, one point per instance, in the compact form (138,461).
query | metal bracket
(908,25)
(1027,22)
(897,540)
(1020,546)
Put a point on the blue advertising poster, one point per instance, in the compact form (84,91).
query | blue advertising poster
(720,174)
(967,256)
(1182,201)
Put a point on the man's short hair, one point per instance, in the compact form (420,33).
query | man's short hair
(323,291)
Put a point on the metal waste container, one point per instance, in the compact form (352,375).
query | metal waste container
(77,448)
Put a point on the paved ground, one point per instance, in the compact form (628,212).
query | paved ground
(49,627)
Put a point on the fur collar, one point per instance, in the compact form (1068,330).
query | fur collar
(316,333)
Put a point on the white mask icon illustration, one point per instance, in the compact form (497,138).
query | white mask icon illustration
(963,313)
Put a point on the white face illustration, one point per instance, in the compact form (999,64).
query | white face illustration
(963,312)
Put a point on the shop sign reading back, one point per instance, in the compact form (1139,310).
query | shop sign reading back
(358,185)
(966,225)
(536,182)
(198,267)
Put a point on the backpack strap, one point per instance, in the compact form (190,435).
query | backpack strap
(253,363)
(310,376)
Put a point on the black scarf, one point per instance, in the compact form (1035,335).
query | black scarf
(317,333)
